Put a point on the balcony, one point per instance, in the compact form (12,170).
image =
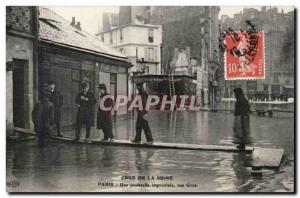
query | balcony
(142,60)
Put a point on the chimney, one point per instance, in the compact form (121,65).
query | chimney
(78,26)
(73,21)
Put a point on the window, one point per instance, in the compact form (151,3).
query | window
(137,52)
(150,36)
(202,30)
(121,35)
(110,38)
(123,51)
(151,54)
(113,84)
(49,22)
(276,77)
(102,38)
(146,69)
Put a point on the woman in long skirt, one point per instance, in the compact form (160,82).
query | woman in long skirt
(241,125)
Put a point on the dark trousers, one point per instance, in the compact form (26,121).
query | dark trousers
(57,127)
(107,132)
(42,137)
(142,124)
(78,129)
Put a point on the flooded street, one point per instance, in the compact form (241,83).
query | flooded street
(72,167)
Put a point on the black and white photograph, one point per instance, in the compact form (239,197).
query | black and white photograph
(150,99)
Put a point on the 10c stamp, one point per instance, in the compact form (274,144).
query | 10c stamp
(244,57)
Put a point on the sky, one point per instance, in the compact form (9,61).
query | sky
(90,17)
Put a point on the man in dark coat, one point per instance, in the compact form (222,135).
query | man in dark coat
(104,120)
(85,101)
(241,126)
(43,118)
(57,100)
(141,122)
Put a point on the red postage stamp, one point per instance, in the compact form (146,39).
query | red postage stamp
(244,55)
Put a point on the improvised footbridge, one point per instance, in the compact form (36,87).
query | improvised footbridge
(261,157)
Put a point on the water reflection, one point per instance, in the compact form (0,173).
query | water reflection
(73,167)
(142,161)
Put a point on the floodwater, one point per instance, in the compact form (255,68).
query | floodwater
(63,167)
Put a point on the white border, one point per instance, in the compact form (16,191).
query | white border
(3,3)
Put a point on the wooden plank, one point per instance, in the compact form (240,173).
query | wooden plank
(261,157)
(162,145)
(267,157)
(26,131)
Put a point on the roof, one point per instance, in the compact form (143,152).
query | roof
(57,30)
(130,25)
(159,78)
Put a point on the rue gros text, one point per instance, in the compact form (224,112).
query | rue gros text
(165,102)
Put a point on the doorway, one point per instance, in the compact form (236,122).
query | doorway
(19,84)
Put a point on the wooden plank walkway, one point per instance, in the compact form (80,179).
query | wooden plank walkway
(267,157)
(261,157)
(161,145)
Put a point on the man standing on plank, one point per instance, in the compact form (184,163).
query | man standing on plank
(141,122)
(57,100)
(85,101)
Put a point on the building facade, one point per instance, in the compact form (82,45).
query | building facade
(189,40)
(21,66)
(134,14)
(69,56)
(194,29)
(141,43)
(278,28)
(109,21)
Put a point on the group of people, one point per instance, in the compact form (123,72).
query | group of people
(47,113)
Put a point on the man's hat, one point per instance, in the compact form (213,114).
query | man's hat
(84,84)
(46,92)
(102,86)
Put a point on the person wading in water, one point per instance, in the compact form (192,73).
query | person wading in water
(241,125)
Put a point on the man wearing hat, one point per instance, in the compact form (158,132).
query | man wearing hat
(85,101)
(43,117)
(141,122)
(104,120)
(57,100)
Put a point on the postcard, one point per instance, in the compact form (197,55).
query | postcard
(150,99)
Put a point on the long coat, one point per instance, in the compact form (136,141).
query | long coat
(57,100)
(241,124)
(85,112)
(43,116)
(104,117)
